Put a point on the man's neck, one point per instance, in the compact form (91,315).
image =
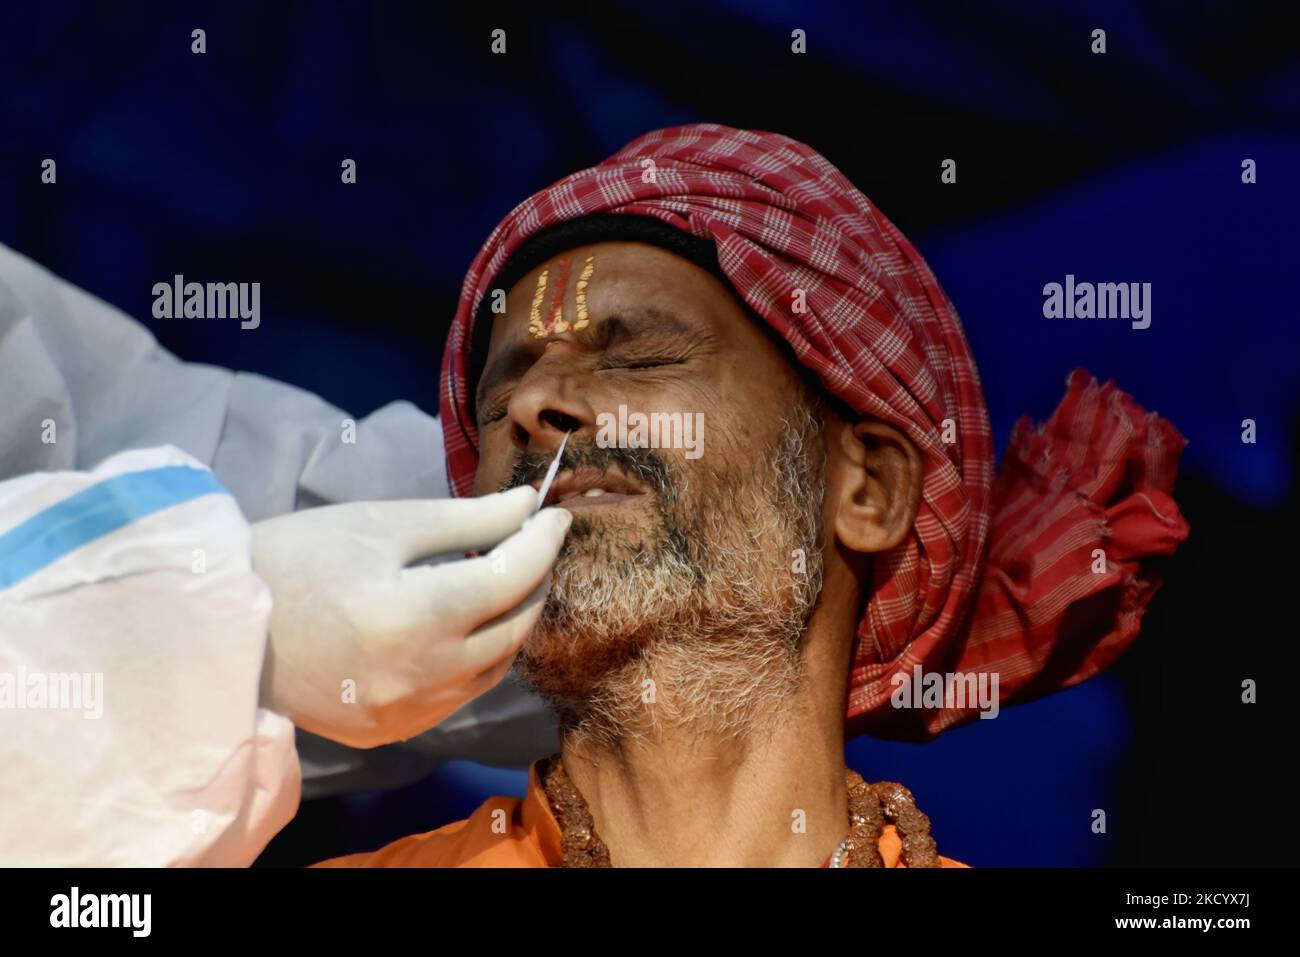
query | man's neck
(774,796)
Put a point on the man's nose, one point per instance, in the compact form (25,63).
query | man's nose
(550,400)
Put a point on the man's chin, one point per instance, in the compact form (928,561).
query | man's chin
(568,668)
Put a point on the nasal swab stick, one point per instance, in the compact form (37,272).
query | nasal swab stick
(550,475)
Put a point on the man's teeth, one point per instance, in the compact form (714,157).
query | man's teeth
(593,493)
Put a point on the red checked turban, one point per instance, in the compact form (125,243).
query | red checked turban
(999,576)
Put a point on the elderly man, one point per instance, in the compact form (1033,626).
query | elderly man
(718,622)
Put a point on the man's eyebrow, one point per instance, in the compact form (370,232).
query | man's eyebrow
(623,325)
(637,322)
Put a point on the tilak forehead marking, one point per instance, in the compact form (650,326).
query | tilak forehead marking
(546,315)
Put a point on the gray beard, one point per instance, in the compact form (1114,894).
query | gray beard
(697,625)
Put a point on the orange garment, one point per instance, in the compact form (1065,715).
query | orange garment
(510,832)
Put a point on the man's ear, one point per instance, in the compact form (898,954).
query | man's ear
(878,485)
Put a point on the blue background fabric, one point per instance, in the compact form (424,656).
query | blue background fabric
(1122,167)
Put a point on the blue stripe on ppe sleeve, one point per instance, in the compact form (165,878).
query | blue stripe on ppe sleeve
(94,512)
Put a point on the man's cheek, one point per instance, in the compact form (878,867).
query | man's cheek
(486,480)
(480,485)
(493,466)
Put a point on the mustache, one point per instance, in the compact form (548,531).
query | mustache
(645,465)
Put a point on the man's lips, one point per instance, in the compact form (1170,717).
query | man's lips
(583,487)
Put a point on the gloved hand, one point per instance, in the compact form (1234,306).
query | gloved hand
(365,650)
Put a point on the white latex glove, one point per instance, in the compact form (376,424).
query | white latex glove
(366,650)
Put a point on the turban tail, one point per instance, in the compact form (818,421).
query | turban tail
(1040,576)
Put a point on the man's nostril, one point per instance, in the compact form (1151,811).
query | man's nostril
(560,420)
